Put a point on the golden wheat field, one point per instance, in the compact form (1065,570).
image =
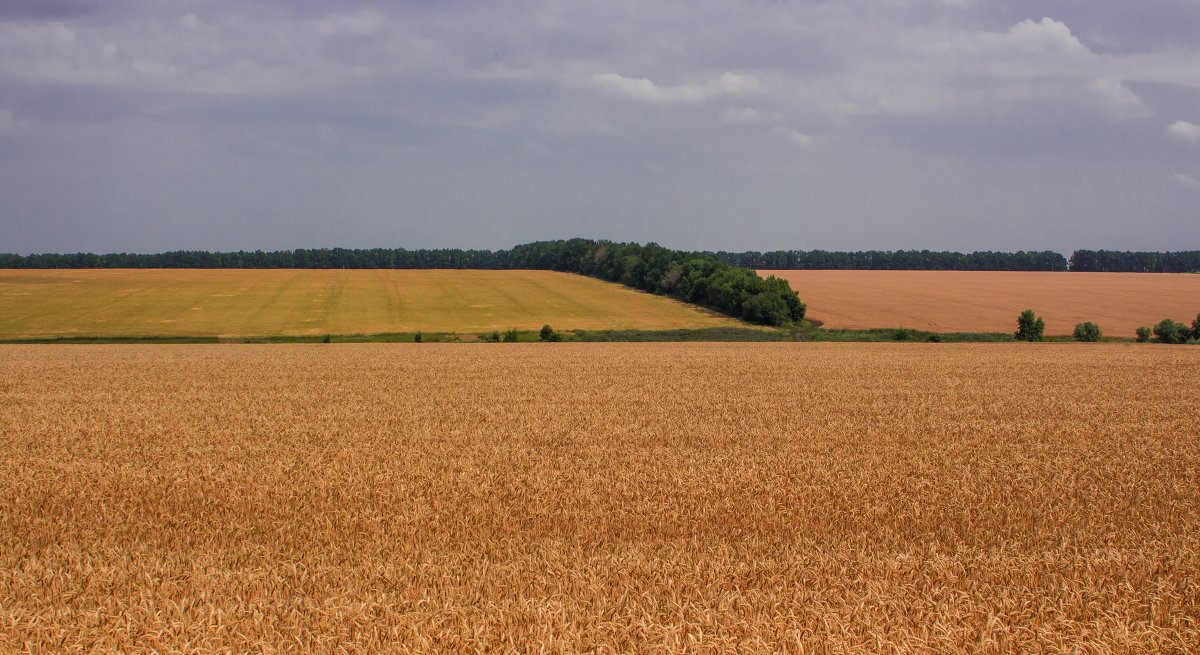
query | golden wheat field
(241,302)
(603,498)
(989,301)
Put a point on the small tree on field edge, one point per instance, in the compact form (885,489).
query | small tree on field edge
(510,336)
(1168,331)
(1143,334)
(548,334)
(417,338)
(1030,326)
(1088,331)
(1196,327)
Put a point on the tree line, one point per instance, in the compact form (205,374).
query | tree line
(897,260)
(300,258)
(926,260)
(1112,261)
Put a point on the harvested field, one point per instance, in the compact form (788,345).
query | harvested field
(989,301)
(182,302)
(836,498)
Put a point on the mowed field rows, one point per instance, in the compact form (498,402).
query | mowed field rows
(182,302)
(989,301)
(610,498)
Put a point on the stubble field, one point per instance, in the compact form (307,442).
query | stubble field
(989,301)
(202,302)
(817,498)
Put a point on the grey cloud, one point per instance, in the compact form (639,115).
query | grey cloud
(45,9)
(710,123)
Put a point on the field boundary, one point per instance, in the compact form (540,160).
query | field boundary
(711,334)
(807,332)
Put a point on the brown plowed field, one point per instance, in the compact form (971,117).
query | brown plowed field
(987,301)
(601,498)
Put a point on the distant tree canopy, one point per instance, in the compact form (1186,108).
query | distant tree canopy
(301,258)
(897,260)
(694,277)
(1110,261)
(526,255)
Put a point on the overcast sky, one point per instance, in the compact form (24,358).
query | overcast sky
(149,125)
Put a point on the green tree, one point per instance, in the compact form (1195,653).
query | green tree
(1143,334)
(510,336)
(417,338)
(1088,331)
(1196,327)
(1168,331)
(548,334)
(767,309)
(1030,326)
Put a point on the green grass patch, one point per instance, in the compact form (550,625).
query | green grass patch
(807,331)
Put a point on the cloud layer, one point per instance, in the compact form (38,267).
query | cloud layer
(138,125)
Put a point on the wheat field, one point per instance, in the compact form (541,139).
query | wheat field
(268,302)
(989,301)
(602,498)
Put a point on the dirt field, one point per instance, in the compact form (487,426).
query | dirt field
(836,498)
(299,302)
(986,301)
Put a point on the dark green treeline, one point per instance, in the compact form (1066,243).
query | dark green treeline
(533,256)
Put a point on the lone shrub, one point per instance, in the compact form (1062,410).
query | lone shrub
(510,336)
(327,339)
(1168,331)
(491,337)
(1030,326)
(1196,327)
(547,334)
(1088,331)
(1143,334)
(417,338)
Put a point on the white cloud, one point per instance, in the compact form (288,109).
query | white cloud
(1116,100)
(795,136)
(1188,182)
(1043,38)
(726,84)
(1184,132)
